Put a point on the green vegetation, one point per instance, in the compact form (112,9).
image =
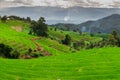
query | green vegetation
(62,55)
(39,27)
(67,40)
(95,64)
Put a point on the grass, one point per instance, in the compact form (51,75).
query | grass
(95,64)
(15,39)
(21,41)
(75,36)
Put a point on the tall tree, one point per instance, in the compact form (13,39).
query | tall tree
(39,27)
(67,40)
(28,19)
(4,18)
(114,38)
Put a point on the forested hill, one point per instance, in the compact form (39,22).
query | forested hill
(103,25)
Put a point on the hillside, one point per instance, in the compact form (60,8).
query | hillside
(60,62)
(104,25)
(15,34)
(96,64)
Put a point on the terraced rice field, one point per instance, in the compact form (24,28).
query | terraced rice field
(96,64)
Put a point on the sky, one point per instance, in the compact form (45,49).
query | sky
(60,14)
(61,3)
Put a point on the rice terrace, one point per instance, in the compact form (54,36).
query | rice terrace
(59,40)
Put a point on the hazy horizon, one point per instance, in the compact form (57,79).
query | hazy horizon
(61,11)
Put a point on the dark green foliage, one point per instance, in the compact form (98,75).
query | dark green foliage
(33,26)
(80,32)
(79,45)
(35,55)
(15,54)
(28,19)
(7,52)
(75,45)
(114,39)
(55,29)
(13,17)
(103,43)
(67,40)
(4,19)
(74,30)
(39,27)
(51,29)
(91,34)
(30,32)
(29,51)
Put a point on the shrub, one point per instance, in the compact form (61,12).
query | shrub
(5,51)
(67,40)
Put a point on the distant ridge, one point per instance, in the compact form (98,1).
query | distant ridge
(55,15)
(104,25)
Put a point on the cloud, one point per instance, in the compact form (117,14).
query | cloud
(24,2)
(60,3)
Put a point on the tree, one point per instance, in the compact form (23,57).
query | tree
(76,45)
(39,27)
(114,39)
(67,40)
(91,34)
(79,44)
(80,32)
(55,29)
(5,51)
(4,18)
(28,19)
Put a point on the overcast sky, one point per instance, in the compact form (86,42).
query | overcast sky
(60,3)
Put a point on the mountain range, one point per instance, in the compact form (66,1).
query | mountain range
(103,25)
(55,15)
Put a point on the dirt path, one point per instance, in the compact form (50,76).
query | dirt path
(17,28)
(39,47)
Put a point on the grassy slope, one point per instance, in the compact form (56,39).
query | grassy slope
(21,40)
(75,36)
(96,64)
(18,40)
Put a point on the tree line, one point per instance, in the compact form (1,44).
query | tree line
(112,40)
(13,17)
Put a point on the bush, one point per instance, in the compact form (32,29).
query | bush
(7,52)
(15,54)
(4,19)
(67,40)
(79,45)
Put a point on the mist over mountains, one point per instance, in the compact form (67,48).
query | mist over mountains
(103,25)
(87,19)
(55,15)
